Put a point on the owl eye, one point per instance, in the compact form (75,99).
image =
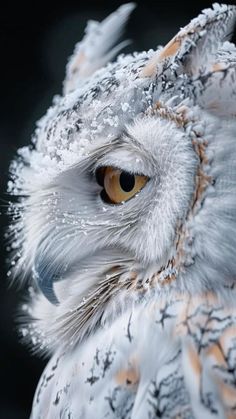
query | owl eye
(119,185)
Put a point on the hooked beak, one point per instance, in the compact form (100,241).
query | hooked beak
(43,276)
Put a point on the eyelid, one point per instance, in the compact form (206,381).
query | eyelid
(135,165)
(121,169)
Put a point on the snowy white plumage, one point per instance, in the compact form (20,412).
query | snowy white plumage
(135,302)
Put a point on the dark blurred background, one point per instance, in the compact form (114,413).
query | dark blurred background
(35,41)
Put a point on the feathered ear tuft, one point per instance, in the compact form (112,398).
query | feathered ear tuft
(196,44)
(97,47)
(201,54)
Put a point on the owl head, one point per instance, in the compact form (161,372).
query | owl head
(128,189)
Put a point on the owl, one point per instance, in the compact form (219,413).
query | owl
(124,227)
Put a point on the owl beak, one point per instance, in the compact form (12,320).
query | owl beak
(45,280)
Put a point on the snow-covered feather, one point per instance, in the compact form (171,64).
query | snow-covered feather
(134,300)
(97,47)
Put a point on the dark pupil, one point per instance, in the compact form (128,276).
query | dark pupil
(127,181)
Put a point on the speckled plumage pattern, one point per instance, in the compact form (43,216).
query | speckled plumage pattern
(166,359)
(135,303)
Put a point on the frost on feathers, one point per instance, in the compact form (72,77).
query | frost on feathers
(107,279)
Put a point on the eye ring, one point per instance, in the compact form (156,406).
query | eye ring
(119,185)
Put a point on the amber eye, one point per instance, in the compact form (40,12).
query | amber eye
(119,185)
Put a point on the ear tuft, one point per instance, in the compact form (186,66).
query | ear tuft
(197,43)
(97,47)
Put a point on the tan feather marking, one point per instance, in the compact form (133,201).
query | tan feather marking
(167,113)
(228,394)
(202,179)
(218,67)
(194,361)
(151,68)
(171,48)
(200,149)
(182,315)
(168,51)
(129,376)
